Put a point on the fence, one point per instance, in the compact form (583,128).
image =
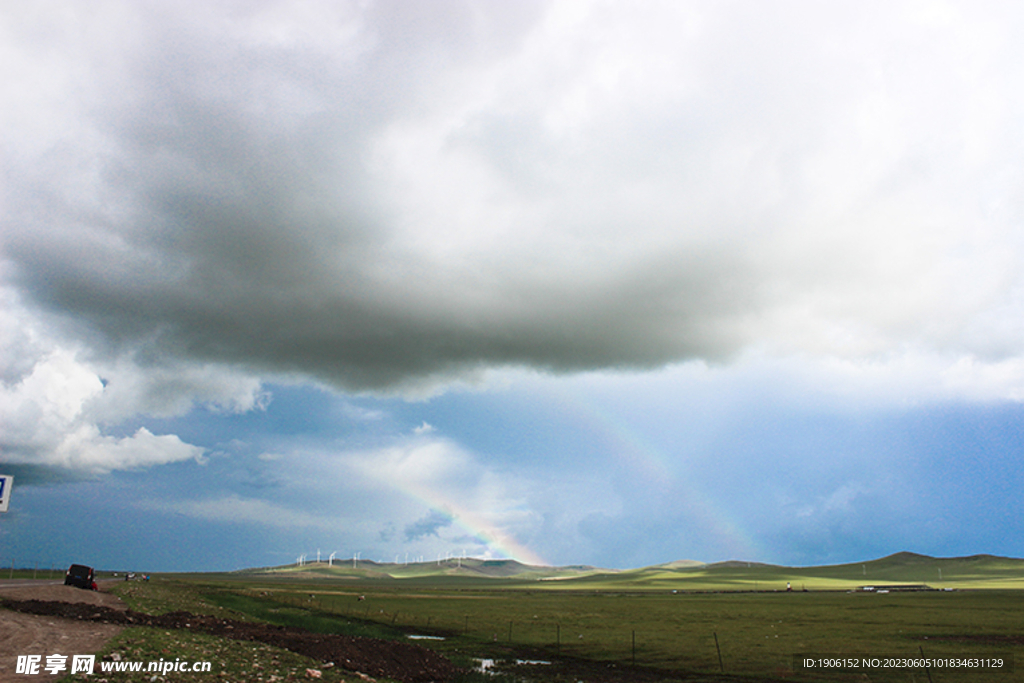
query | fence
(612,642)
(11,568)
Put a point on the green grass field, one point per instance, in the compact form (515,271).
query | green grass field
(757,633)
(699,619)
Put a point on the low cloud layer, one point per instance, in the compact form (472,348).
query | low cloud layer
(428,525)
(391,197)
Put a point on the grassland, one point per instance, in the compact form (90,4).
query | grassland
(711,622)
(757,633)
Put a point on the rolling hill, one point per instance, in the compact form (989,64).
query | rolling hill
(902,569)
(456,568)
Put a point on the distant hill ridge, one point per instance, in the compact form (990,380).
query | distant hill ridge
(455,567)
(899,567)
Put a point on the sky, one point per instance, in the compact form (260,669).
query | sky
(602,283)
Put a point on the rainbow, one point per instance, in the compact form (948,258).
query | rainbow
(498,542)
(662,474)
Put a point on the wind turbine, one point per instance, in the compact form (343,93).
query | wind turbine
(318,555)
(330,560)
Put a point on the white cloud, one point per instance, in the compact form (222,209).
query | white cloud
(361,414)
(417,466)
(45,418)
(270,457)
(54,404)
(490,509)
(86,449)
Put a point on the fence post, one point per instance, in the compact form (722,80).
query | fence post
(634,648)
(510,630)
(720,665)
(926,669)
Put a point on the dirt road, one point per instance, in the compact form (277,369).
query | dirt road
(28,634)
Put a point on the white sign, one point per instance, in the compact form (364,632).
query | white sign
(6,483)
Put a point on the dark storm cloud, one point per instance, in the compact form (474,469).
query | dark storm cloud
(218,204)
(394,196)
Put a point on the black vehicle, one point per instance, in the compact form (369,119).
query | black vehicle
(81,576)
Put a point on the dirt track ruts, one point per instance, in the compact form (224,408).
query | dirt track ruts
(30,634)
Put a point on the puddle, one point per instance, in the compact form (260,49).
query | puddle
(414,637)
(487,664)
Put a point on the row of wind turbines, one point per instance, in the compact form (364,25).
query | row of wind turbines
(300,561)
